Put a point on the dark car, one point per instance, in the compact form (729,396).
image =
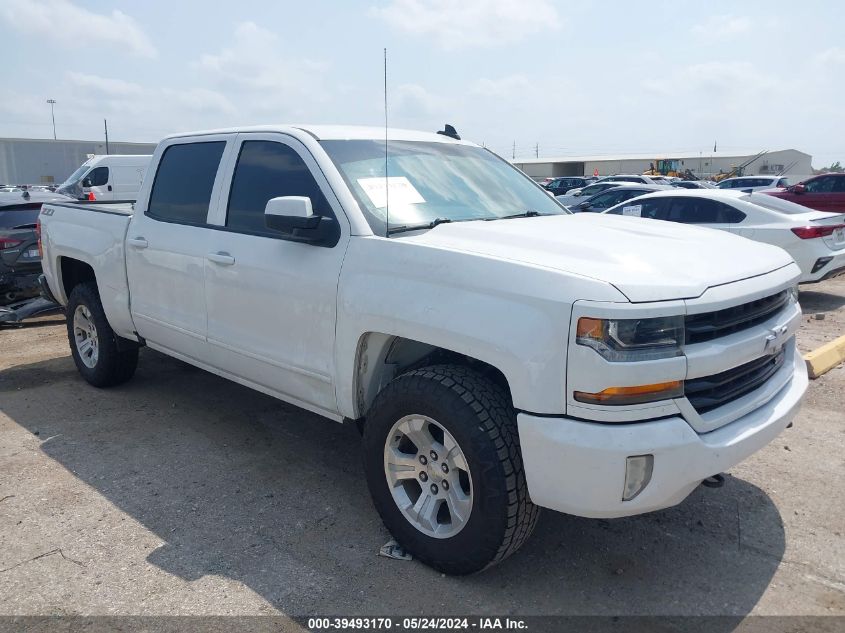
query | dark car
(825,192)
(614,196)
(20,262)
(559,186)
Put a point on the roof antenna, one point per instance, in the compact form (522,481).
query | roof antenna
(386,180)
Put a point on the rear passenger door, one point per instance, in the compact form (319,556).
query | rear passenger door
(272,303)
(167,243)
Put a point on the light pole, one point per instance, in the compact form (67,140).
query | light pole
(52,102)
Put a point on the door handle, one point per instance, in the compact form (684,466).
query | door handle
(224,259)
(137,242)
(109,187)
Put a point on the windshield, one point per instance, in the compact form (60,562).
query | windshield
(430,181)
(75,175)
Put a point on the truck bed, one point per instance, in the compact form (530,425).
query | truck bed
(92,234)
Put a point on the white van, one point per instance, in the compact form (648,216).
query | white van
(109,177)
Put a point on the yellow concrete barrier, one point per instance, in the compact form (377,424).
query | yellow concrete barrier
(826,357)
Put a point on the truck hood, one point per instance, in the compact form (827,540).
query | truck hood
(646,260)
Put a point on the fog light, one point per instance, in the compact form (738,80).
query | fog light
(637,475)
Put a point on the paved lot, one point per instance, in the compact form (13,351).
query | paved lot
(182,493)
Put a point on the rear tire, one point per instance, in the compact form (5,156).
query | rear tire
(459,417)
(93,343)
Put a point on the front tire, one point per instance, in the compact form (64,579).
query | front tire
(444,467)
(93,343)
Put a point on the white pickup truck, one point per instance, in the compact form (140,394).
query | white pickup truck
(498,353)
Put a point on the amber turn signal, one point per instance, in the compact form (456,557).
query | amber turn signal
(633,395)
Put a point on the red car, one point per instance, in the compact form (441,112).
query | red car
(825,192)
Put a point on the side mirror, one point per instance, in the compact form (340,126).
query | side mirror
(86,182)
(289,213)
(799,188)
(295,221)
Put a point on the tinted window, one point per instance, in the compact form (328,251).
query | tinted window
(649,208)
(623,194)
(783,182)
(594,189)
(838,184)
(821,185)
(183,183)
(626,179)
(701,211)
(265,170)
(98,177)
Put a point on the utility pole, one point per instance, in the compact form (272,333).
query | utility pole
(537,151)
(106,125)
(513,154)
(52,102)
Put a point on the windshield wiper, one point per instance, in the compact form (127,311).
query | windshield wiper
(417,227)
(524,214)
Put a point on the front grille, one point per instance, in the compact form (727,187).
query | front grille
(711,325)
(713,391)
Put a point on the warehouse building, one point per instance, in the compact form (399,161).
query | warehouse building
(29,161)
(792,163)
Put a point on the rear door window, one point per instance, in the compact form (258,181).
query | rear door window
(701,211)
(651,208)
(183,183)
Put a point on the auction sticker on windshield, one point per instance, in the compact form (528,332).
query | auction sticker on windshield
(399,191)
(635,210)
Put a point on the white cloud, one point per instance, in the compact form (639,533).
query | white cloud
(104,85)
(64,22)
(835,55)
(503,88)
(722,26)
(256,68)
(470,23)
(413,102)
(715,84)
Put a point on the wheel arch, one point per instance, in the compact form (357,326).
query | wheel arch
(73,272)
(381,357)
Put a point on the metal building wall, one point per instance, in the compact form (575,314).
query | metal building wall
(45,161)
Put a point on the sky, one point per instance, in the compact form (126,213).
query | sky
(551,78)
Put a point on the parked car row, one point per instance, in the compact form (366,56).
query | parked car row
(814,239)
(618,192)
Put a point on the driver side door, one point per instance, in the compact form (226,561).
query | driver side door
(272,303)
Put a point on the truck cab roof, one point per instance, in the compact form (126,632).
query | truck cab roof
(332,132)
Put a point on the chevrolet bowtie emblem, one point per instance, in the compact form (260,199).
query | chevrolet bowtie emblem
(774,340)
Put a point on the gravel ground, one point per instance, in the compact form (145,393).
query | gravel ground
(182,493)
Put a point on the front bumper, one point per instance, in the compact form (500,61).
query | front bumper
(578,467)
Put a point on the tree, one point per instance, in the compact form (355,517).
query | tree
(835,167)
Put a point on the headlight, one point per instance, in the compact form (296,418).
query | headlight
(624,340)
